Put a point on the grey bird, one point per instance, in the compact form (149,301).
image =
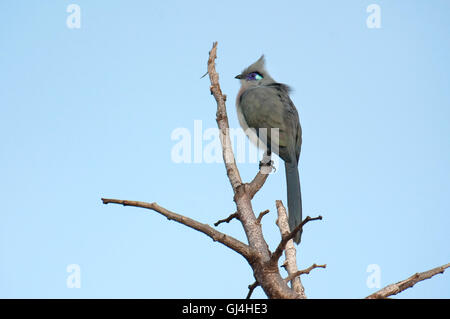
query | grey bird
(263,104)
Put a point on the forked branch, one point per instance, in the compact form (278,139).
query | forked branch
(285,238)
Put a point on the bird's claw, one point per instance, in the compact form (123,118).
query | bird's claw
(266,167)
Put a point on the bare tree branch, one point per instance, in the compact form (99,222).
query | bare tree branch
(279,250)
(304,271)
(400,286)
(290,252)
(251,288)
(222,121)
(255,185)
(216,235)
(227,220)
(261,215)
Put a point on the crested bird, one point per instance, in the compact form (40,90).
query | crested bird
(263,105)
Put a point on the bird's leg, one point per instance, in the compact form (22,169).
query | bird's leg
(266,164)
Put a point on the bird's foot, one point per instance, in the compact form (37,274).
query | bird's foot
(266,167)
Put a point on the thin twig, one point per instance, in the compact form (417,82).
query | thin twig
(227,220)
(216,235)
(279,250)
(304,271)
(261,215)
(251,288)
(400,286)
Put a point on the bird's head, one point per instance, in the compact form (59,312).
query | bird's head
(255,74)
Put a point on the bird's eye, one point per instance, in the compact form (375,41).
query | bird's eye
(254,76)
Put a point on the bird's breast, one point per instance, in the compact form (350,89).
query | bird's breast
(238,97)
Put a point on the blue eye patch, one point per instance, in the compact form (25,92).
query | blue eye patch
(254,76)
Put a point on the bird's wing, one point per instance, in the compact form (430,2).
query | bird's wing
(269,106)
(291,114)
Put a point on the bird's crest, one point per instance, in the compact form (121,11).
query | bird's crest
(258,66)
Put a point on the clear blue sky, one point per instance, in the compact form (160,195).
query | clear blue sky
(88,113)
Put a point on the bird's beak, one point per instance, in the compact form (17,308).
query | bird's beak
(238,76)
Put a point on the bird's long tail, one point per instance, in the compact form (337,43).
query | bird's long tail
(294,197)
